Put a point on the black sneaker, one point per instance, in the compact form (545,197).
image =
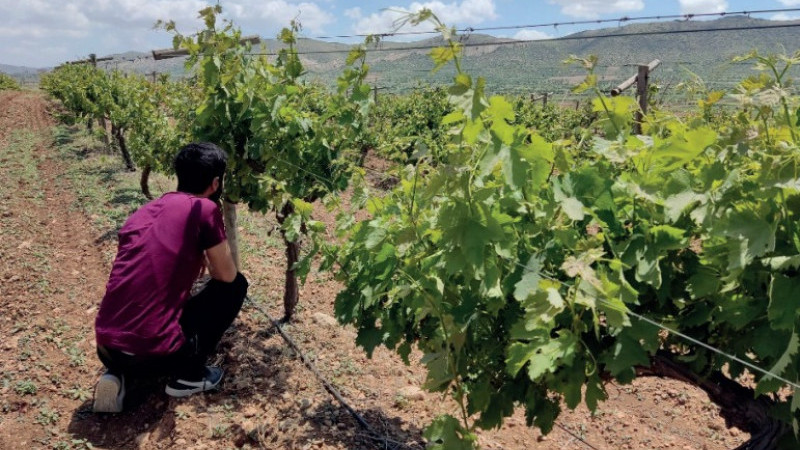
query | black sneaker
(109,394)
(183,388)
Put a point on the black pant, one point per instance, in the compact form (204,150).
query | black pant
(205,318)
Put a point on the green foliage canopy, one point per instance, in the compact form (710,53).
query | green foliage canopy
(519,267)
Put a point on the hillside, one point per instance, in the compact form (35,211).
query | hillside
(25,75)
(18,70)
(534,66)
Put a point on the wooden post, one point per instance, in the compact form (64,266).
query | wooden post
(153,76)
(544,100)
(630,81)
(229,218)
(642,79)
(375,94)
(92,59)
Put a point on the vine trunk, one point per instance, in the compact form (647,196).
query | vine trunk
(291,292)
(738,404)
(123,147)
(144,181)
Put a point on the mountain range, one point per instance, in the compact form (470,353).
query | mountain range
(686,48)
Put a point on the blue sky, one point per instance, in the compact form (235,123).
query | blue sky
(40,33)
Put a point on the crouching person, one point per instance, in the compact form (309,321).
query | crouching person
(148,324)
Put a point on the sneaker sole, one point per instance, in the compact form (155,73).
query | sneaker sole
(178,393)
(106,396)
(185,392)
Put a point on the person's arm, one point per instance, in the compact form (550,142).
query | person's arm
(220,262)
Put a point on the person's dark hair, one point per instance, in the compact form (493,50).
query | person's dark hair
(197,164)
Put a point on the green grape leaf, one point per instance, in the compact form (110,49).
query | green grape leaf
(569,381)
(783,305)
(443,55)
(529,283)
(595,392)
(472,131)
(375,237)
(704,282)
(500,406)
(737,311)
(625,354)
(666,237)
(751,237)
(446,433)
(542,413)
(782,263)
(573,208)
(439,373)
(500,109)
(589,82)
(679,149)
(540,311)
(547,357)
(303,208)
(648,269)
(453,117)
(771,384)
(368,338)
(518,355)
(615,312)
(618,113)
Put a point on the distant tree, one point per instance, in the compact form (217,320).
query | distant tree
(7,83)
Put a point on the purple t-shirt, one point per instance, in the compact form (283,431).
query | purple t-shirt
(160,255)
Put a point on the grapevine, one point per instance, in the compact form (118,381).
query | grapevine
(516,267)
(8,83)
(290,143)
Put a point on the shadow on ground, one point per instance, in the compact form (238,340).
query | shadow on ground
(146,413)
(325,420)
(247,352)
(385,432)
(149,414)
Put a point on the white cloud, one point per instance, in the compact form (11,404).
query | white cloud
(43,19)
(111,26)
(590,9)
(135,13)
(263,16)
(256,16)
(531,35)
(703,6)
(77,17)
(785,17)
(353,13)
(790,2)
(464,13)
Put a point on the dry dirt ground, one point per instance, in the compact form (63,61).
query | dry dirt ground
(54,261)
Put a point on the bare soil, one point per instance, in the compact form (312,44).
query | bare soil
(54,263)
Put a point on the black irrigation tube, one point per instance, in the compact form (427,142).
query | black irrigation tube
(328,386)
(335,393)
